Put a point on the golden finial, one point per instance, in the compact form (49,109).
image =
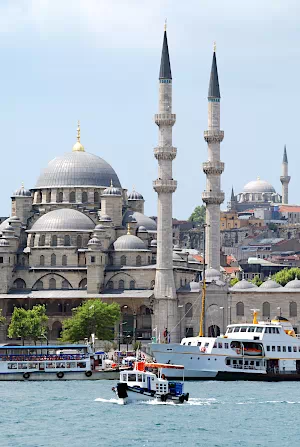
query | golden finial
(165,25)
(128,228)
(78,146)
(215,46)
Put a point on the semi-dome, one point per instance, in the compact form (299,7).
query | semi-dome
(141,219)
(134,195)
(257,186)
(77,168)
(244,285)
(63,220)
(22,192)
(129,242)
(294,284)
(270,284)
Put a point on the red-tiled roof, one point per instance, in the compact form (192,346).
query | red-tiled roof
(230,270)
(289,209)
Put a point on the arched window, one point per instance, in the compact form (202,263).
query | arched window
(79,241)
(189,310)
(138,260)
(293,309)
(96,197)
(48,196)
(60,197)
(42,260)
(64,284)
(42,240)
(39,285)
(64,260)
(121,284)
(72,197)
(54,241)
(240,312)
(132,285)
(84,197)
(266,309)
(19,284)
(53,259)
(110,285)
(32,240)
(67,240)
(39,197)
(83,283)
(52,284)
(123,260)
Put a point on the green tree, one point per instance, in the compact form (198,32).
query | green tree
(198,215)
(91,317)
(286,275)
(137,345)
(256,280)
(233,281)
(38,322)
(2,318)
(20,325)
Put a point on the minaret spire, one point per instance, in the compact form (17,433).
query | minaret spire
(285,178)
(165,313)
(78,146)
(213,168)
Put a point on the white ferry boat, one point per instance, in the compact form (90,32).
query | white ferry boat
(51,362)
(143,384)
(258,351)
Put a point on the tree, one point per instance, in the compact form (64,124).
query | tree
(198,215)
(2,319)
(286,275)
(20,325)
(91,317)
(28,324)
(137,345)
(233,281)
(256,280)
(38,322)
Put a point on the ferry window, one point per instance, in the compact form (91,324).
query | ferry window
(240,362)
(22,366)
(215,345)
(251,329)
(234,362)
(252,363)
(277,330)
(273,330)
(81,365)
(257,363)
(12,366)
(278,348)
(131,377)
(50,365)
(236,329)
(228,362)
(259,329)
(227,345)
(206,345)
(199,343)
(189,343)
(267,331)
(289,349)
(246,362)
(268,348)
(220,345)
(32,366)
(283,348)
(229,330)
(140,377)
(273,348)
(295,348)
(244,329)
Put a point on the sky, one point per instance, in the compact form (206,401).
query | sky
(97,61)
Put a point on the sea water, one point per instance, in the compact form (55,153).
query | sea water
(86,414)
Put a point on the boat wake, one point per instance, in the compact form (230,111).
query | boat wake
(198,401)
(107,401)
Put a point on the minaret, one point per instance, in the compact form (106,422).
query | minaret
(231,204)
(164,291)
(213,168)
(285,178)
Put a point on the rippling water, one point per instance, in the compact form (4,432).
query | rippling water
(85,414)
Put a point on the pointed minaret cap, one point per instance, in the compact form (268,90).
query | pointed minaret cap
(165,66)
(285,159)
(232,194)
(78,146)
(214,89)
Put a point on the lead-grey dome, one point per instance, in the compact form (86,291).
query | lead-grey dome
(294,284)
(244,285)
(129,242)
(257,186)
(77,169)
(134,195)
(112,191)
(270,284)
(22,192)
(141,219)
(63,220)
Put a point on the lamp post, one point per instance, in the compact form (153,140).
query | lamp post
(223,319)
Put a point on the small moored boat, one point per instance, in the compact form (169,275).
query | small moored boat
(143,384)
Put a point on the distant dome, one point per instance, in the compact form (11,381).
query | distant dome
(294,284)
(134,195)
(100,227)
(257,186)
(153,243)
(270,284)
(94,241)
(212,274)
(8,228)
(142,229)
(77,168)
(112,191)
(64,219)
(243,285)
(129,242)
(4,243)
(105,218)
(22,192)
(141,219)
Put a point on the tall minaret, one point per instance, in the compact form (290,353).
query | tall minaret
(213,168)
(164,290)
(285,178)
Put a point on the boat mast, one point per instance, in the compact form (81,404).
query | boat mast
(202,315)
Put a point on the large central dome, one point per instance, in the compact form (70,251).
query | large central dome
(77,169)
(258,186)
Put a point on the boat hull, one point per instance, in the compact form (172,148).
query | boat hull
(68,375)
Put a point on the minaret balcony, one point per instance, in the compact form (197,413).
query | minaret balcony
(285,179)
(213,198)
(165,119)
(213,167)
(162,185)
(165,153)
(213,136)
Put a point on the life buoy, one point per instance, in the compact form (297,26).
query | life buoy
(203,349)
(26,375)
(88,373)
(60,375)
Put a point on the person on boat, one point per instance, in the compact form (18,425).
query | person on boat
(163,377)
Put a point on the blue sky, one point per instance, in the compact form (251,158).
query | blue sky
(98,61)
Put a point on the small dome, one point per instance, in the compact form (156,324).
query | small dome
(94,241)
(134,195)
(129,242)
(153,243)
(105,218)
(141,219)
(212,274)
(4,242)
(22,192)
(100,227)
(294,284)
(112,191)
(270,284)
(243,285)
(64,219)
(258,186)
(142,229)
(7,229)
